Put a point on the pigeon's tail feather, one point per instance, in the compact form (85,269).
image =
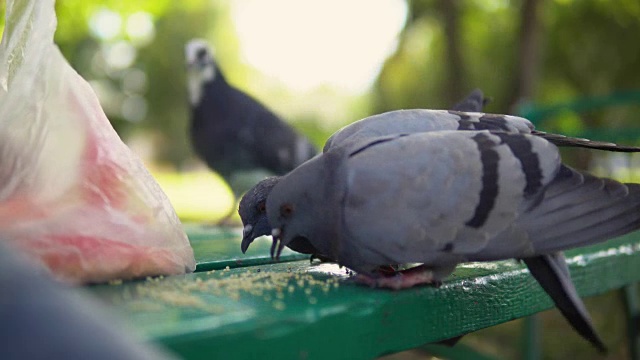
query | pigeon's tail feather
(581,209)
(562,140)
(474,102)
(552,274)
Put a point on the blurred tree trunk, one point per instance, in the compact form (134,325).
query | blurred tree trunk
(454,86)
(527,64)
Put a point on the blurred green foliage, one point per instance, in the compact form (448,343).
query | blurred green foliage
(2,11)
(585,48)
(153,82)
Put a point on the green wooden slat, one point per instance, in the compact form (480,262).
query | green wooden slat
(201,316)
(216,248)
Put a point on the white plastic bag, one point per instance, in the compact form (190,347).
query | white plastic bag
(72,195)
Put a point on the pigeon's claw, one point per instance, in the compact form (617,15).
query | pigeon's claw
(388,270)
(419,275)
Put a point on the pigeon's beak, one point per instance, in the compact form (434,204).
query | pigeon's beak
(247,237)
(279,242)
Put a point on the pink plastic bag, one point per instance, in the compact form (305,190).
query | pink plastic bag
(72,195)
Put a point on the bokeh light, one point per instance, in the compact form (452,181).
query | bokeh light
(307,44)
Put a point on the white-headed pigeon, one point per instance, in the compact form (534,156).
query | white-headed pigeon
(232,132)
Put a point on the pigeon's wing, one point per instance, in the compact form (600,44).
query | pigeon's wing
(552,274)
(576,209)
(274,144)
(561,140)
(448,192)
(474,102)
(422,120)
(411,121)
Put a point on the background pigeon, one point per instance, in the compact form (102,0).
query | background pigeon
(233,133)
(445,197)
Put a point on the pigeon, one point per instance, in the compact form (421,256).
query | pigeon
(233,133)
(497,190)
(252,208)
(464,116)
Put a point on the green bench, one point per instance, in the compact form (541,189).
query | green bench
(245,306)
(240,306)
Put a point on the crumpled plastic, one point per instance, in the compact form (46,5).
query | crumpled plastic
(72,194)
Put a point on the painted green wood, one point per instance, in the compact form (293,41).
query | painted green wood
(297,310)
(216,248)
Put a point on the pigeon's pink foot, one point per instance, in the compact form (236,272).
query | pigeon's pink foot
(419,275)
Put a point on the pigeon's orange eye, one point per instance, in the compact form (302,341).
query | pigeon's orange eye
(286,210)
(262,207)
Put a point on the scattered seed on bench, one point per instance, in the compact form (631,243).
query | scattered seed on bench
(201,291)
(279,305)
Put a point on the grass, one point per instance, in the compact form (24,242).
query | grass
(200,196)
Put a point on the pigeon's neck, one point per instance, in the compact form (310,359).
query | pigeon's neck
(332,192)
(197,81)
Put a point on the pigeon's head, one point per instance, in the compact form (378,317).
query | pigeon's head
(253,211)
(201,67)
(199,56)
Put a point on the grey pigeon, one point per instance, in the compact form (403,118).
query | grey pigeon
(233,133)
(550,270)
(252,207)
(446,197)
(545,268)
